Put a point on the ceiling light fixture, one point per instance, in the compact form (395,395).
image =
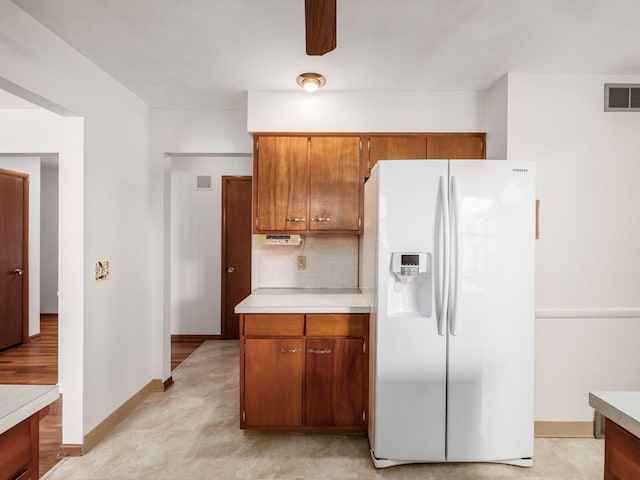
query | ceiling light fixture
(311,81)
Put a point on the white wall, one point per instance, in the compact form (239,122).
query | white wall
(49,238)
(36,129)
(497,120)
(196,247)
(30,166)
(442,111)
(105,204)
(587,302)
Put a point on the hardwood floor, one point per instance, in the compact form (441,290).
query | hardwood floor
(36,363)
(181,349)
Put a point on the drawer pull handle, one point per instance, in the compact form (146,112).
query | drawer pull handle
(319,352)
(296,219)
(321,219)
(290,350)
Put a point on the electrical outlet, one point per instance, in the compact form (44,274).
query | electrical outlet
(302,262)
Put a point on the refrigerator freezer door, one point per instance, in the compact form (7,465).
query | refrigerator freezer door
(490,357)
(409,356)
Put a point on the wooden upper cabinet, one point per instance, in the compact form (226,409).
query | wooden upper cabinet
(420,146)
(456,146)
(394,147)
(307,184)
(335,183)
(281,179)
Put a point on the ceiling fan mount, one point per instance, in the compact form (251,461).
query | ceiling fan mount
(320,26)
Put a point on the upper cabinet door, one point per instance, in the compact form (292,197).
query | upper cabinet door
(395,147)
(456,146)
(281,172)
(335,184)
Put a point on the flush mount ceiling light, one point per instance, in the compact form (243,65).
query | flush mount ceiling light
(311,81)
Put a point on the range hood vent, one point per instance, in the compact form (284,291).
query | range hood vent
(622,97)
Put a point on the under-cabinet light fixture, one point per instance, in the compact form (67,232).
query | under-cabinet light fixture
(311,81)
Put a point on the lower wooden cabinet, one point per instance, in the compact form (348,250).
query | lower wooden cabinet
(273,370)
(334,382)
(19,450)
(621,453)
(315,380)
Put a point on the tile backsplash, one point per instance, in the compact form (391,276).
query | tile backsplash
(332,262)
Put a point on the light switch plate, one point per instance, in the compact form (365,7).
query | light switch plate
(102,270)
(302,262)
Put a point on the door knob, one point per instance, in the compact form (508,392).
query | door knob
(231,270)
(17,271)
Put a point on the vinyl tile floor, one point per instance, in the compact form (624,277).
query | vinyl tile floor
(191,432)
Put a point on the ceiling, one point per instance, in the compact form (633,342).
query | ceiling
(209,53)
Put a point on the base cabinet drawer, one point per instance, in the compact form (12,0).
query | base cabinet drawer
(337,324)
(273,325)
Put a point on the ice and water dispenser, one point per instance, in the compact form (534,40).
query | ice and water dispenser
(410,284)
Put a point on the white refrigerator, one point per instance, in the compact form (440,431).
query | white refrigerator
(447,264)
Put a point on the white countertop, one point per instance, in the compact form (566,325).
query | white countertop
(622,408)
(19,402)
(304,300)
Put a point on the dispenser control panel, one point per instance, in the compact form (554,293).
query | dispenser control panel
(409,265)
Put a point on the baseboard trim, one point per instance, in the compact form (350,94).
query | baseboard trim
(194,338)
(92,438)
(70,450)
(167,383)
(34,337)
(563,429)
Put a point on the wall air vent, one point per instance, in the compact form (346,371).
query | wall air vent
(203,182)
(622,97)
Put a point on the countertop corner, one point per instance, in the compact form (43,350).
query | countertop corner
(19,402)
(622,408)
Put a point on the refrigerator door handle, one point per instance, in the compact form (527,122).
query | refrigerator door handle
(455,208)
(444,299)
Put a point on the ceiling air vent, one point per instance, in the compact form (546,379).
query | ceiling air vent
(621,97)
(203,182)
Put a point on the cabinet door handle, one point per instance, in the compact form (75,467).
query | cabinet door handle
(319,352)
(17,271)
(290,350)
(296,219)
(321,219)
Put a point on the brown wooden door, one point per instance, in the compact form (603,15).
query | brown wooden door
(281,174)
(236,249)
(396,147)
(14,191)
(335,183)
(458,146)
(334,387)
(273,369)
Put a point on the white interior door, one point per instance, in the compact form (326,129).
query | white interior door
(490,369)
